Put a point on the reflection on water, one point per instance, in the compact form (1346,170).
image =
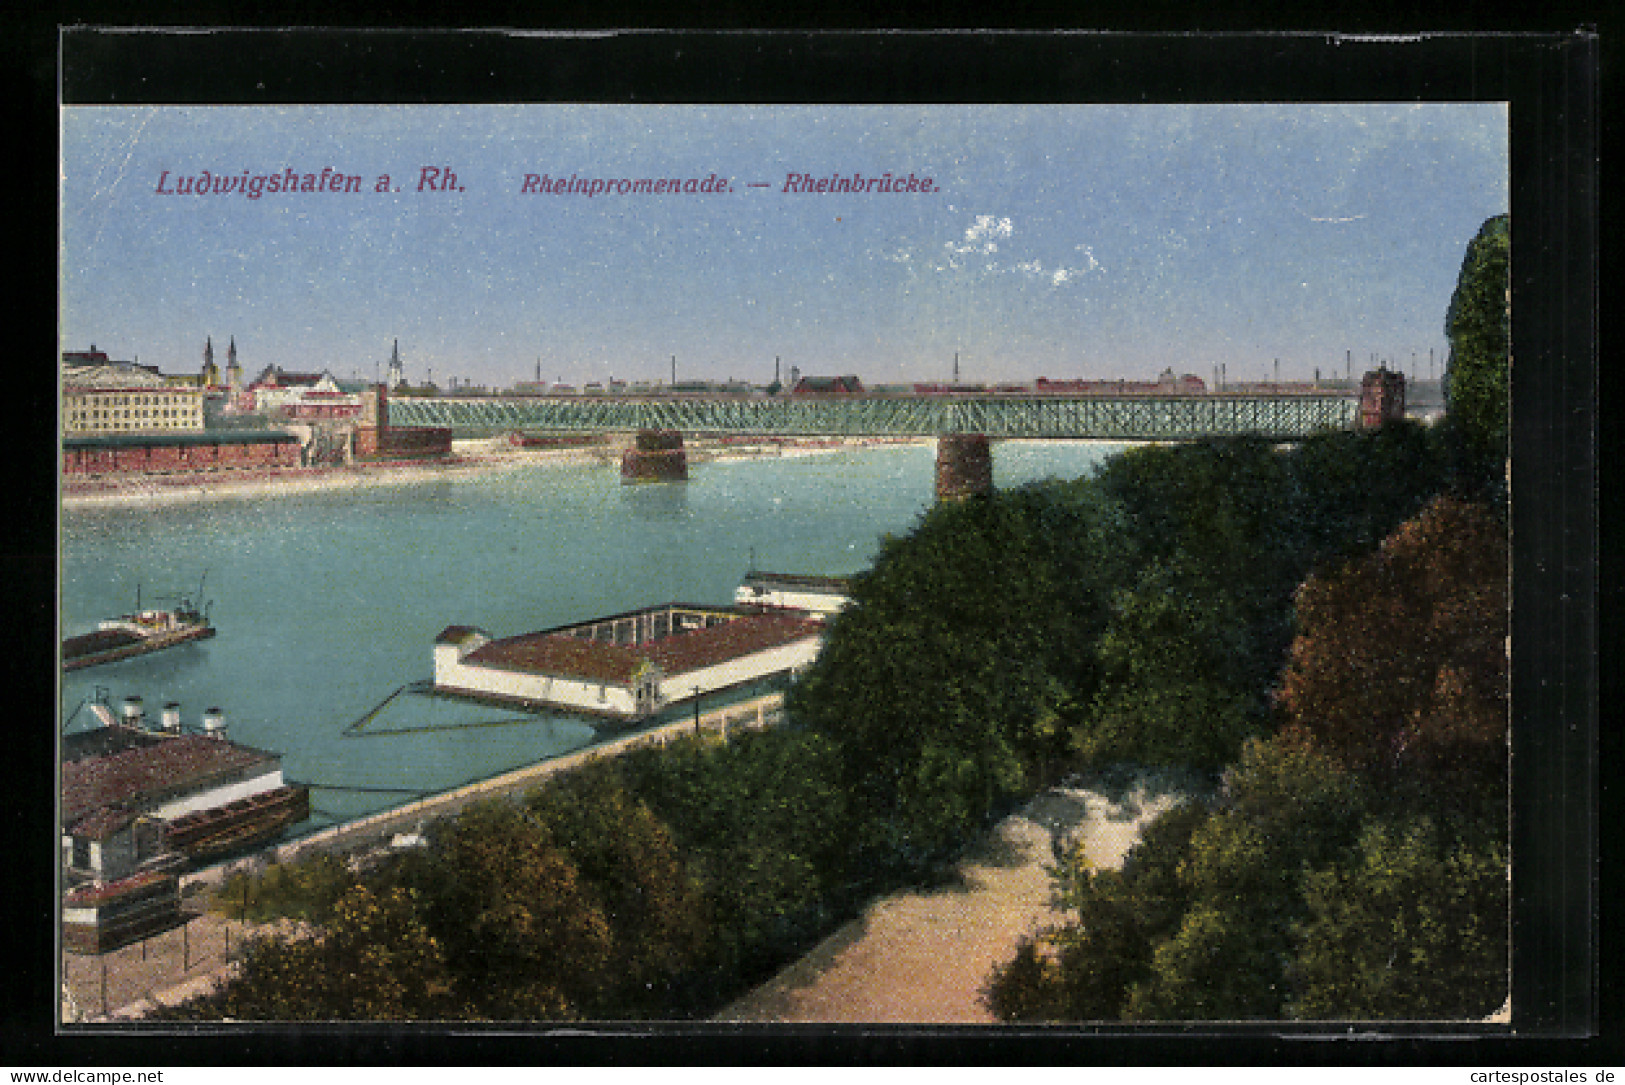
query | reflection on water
(656,500)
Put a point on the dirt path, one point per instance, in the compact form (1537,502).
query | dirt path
(923,957)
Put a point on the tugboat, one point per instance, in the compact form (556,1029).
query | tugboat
(138,633)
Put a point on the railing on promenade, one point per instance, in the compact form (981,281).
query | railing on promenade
(1146,418)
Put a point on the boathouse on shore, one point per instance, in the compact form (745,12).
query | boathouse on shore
(139,805)
(627,666)
(145,799)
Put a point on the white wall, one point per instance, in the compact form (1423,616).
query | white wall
(814,601)
(114,856)
(744,669)
(219,796)
(523,686)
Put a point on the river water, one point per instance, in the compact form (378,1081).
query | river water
(327,603)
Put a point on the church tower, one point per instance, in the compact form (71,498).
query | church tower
(211,375)
(234,372)
(397,374)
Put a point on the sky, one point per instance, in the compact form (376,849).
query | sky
(1058,241)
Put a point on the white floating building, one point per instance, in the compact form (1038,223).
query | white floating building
(822,595)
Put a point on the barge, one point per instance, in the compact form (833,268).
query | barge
(136,634)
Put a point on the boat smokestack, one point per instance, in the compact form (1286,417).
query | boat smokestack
(132,712)
(172,717)
(214,724)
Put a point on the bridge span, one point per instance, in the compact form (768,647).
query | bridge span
(1111,418)
(962,424)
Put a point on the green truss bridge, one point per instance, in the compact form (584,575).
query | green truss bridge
(963,424)
(1012,417)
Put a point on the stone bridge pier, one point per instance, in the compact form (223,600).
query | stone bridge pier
(964,466)
(656,455)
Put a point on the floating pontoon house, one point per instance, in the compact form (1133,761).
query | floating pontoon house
(822,595)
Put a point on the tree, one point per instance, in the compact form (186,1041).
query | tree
(308,889)
(1219,517)
(759,820)
(1083,969)
(1353,488)
(1414,926)
(627,861)
(1478,325)
(1169,694)
(944,682)
(374,961)
(1285,807)
(1399,667)
(523,938)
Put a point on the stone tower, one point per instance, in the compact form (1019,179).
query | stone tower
(1382,397)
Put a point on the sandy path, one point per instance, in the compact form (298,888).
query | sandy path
(924,956)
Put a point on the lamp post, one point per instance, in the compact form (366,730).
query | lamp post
(696,710)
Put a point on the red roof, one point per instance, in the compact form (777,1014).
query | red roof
(103,823)
(599,661)
(149,774)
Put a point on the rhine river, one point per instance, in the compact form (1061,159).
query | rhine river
(327,603)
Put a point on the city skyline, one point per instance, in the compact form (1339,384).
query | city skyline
(1058,241)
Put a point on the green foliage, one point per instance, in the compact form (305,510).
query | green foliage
(1168,695)
(1415,926)
(628,864)
(946,683)
(1284,807)
(374,961)
(1353,488)
(1219,965)
(1223,508)
(1291,793)
(524,938)
(1027,988)
(1224,532)
(1195,635)
(1302,899)
(759,819)
(308,890)
(1478,325)
(1084,969)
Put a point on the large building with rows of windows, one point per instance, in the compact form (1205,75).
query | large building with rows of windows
(103,396)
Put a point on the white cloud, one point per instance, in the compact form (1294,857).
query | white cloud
(985,246)
(986,228)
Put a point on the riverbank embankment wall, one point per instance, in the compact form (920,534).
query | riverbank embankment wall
(375,832)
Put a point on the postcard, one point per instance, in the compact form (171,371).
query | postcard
(678,564)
